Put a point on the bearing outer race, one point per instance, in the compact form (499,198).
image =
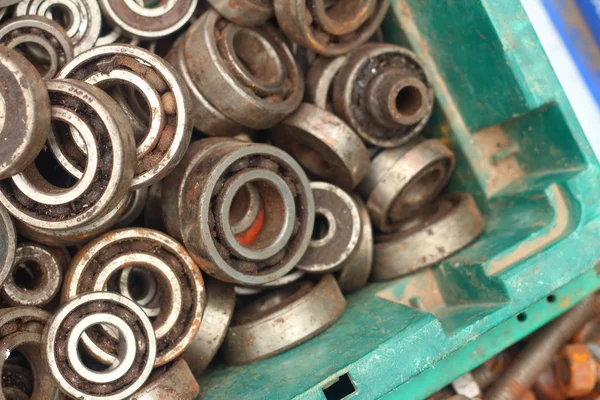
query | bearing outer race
(287,327)
(8,244)
(331,138)
(27,117)
(220,302)
(402,253)
(247,13)
(319,80)
(177,382)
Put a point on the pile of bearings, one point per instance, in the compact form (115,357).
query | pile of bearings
(186,179)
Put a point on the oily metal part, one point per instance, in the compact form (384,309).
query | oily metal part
(169,129)
(174,381)
(356,269)
(220,302)
(44,267)
(283,319)
(43,32)
(107,174)
(76,235)
(81,18)
(211,190)
(133,208)
(24,113)
(324,145)
(276,284)
(403,179)
(88,313)
(248,74)
(330,31)
(382,91)
(439,231)
(576,370)
(138,21)
(319,80)
(337,228)
(97,266)
(8,244)
(245,12)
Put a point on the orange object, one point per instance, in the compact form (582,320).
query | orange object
(247,237)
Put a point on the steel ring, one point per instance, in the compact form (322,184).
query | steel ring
(282,319)
(166,149)
(404,179)
(24,113)
(52,208)
(319,80)
(8,247)
(140,285)
(439,231)
(36,276)
(390,101)
(133,208)
(201,213)
(81,19)
(356,269)
(291,277)
(16,320)
(330,31)
(43,32)
(336,230)
(254,81)
(180,279)
(324,145)
(148,22)
(96,309)
(174,381)
(245,12)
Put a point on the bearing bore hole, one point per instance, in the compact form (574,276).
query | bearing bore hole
(38,56)
(17,376)
(49,168)
(28,275)
(62,15)
(239,205)
(409,100)
(320,228)
(257,55)
(135,105)
(88,360)
(417,191)
(141,285)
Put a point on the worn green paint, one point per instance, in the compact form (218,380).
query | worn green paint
(493,82)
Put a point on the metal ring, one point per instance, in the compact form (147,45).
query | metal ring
(24,112)
(336,230)
(16,320)
(81,19)
(174,381)
(95,309)
(248,74)
(8,249)
(291,277)
(36,202)
(439,231)
(403,179)
(301,311)
(43,268)
(148,22)
(330,31)
(133,208)
(180,280)
(201,213)
(356,269)
(158,155)
(319,80)
(324,145)
(383,92)
(147,294)
(245,12)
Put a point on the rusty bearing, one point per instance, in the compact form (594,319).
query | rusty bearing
(169,128)
(403,179)
(319,80)
(245,12)
(133,208)
(173,381)
(331,30)
(384,94)
(248,75)
(46,43)
(576,370)
(24,112)
(137,20)
(8,238)
(98,266)
(324,145)
(105,173)
(285,280)
(36,275)
(17,382)
(434,233)
(336,230)
(213,196)
(81,19)
(283,319)
(90,315)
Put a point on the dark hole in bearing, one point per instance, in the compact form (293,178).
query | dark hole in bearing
(17,375)
(239,205)
(138,284)
(88,360)
(49,168)
(321,227)
(340,389)
(135,105)
(257,55)
(62,15)
(409,100)
(415,193)
(28,275)
(37,55)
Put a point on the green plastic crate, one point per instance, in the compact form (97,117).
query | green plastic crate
(522,153)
